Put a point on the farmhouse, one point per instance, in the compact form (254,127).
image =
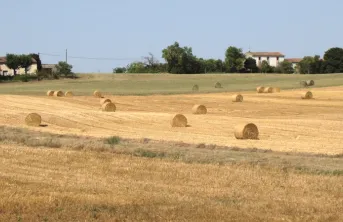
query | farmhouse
(273,58)
(5,71)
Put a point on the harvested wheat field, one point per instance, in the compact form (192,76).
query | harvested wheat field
(66,185)
(285,121)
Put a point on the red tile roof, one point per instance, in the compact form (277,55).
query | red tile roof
(3,60)
(277,54)
(294,60)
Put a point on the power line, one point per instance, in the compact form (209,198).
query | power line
(48,54)
(92,58)
(89,58)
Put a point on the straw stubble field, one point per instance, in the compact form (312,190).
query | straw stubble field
(85,179)
(64,185)
(285,121)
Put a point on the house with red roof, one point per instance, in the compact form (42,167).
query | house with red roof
(273,58)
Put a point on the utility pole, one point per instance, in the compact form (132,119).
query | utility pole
(66,55)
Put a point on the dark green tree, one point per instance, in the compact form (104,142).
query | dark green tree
(234,58)
(63,68)
(334,60)
(119,70)
(13,62)
(250,65)
(181,60)
(137,67)
(214,66)
(318,66)
(173,55)
(25,62)
(285,67)
(266,68)
(36,57)
(306,64)
(219,66)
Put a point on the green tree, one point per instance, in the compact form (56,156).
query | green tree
(266,68)
(306,64)
(63,68)
(173,55)
(136,67)
(284,67)
(13,62)
(38,60)
(25,62)
(119,70)
(334,60)
(219,66)
(210,66)
(239,64)
(318,65)
(181,60)
(250,65)
(234,58)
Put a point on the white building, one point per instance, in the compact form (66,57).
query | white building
(273,58)
(5,71)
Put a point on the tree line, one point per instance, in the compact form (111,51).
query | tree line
(332,62)
(181,60)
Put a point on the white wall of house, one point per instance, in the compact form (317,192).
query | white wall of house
(272,60)
(4,70)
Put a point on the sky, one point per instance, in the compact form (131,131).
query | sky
(125,31)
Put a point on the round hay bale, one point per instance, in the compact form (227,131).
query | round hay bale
(276,90)
(246,131)
(97,94)
(237,98)
(303,83)
(58,93)
(307,95)
(50,93)
(33,119)
(69,94)
(199,109)
(195,88)
(108,107)
(104,100)
(310,82)
(268,90)
(218,85)
(260,89)
(179,120)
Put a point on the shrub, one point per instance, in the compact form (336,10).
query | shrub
(6,78)
(25,78)
(148,153)
(114,140)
